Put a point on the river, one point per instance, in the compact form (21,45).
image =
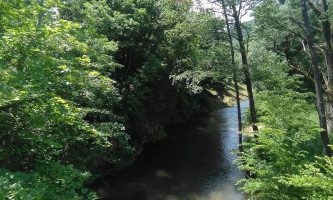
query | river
(193,163)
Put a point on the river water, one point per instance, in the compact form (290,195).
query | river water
(193,163)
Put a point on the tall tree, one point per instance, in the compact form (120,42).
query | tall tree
(288,39)
(318,81)
(232,54)
(40,15)
(327,49)
(329,63)
(246,72)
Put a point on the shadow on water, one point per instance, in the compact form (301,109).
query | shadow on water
(193,163)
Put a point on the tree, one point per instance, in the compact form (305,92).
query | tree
(232,54)
(246,72)
(326,27)
(273,17)
(56,104)
(318,81)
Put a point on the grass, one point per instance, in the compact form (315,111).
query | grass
(313,116)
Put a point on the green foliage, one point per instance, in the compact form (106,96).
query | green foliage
(168,53)
(314,181)
(49,85)
(269,71)
(279,29)
(79,77)
(285,156)
(56,103)
(51,181)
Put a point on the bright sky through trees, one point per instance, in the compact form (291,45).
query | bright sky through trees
(215,6)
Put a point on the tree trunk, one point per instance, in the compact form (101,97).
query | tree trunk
(329,110)
(239,114)
(246,72)
(232,53)
(327,43)
(40,15)
(329,63)
(318,81)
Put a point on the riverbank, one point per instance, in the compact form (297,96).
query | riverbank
(229,99)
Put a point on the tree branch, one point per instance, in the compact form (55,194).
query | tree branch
(314,8)
(301,23)
(248,38)
(306,76)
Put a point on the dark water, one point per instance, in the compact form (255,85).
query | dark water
(193,163)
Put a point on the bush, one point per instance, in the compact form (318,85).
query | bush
(49,182)
(286,156)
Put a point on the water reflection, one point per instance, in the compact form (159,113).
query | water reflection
(193,163)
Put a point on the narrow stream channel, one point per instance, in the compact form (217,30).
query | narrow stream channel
(193,163)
